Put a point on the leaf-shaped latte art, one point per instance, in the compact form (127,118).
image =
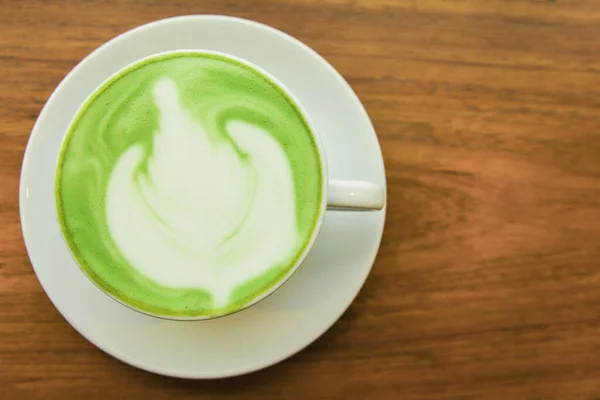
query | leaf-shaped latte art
(215,214)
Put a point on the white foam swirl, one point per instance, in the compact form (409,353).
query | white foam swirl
(203,216)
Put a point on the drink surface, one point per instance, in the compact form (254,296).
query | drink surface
(188,185)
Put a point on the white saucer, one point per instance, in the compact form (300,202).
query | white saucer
(294,316)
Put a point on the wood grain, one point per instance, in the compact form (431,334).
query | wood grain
(487,285)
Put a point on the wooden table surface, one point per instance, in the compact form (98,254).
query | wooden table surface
(487,285)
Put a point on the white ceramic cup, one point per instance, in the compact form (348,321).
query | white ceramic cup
(349,195)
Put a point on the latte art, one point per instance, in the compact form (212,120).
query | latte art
(215,213)
(188,184)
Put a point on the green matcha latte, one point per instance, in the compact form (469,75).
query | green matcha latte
(188,185)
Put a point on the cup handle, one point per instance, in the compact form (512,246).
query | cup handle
(355,195)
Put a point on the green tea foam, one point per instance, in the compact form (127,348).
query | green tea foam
(188,185)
